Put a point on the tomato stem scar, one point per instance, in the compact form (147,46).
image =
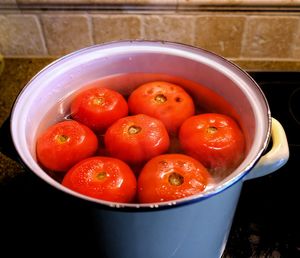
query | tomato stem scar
(98,101)
(62,138)
(134,129)
(175,179)
(212,129)
(160,98)
(101,175)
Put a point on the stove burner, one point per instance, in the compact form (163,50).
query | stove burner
(294,105)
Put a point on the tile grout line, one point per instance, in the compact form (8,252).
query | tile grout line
(41,29)
(244,36)
(90,28)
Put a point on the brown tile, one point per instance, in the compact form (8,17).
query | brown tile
(65,33)
(116,27)
(24,2)
(8,2)
(21,35)
(177,28)
(269,36)
(220,34)
(257,3)
(138,2)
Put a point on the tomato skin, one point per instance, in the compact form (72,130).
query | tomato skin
(64,144)
(215,140)
(103,178)
(170,177)
(165,101)
(135,139)
(98,108)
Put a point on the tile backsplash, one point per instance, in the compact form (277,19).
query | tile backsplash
(257,34)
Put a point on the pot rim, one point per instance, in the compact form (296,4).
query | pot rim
(148,206)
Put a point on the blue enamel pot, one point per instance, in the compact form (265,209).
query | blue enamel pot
(195,226)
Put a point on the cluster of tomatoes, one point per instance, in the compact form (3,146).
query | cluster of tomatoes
(120,150)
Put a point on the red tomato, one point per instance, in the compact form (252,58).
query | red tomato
(215,140)
(165,101)
(135,139)
(64,144)
(98,108)
(171,176)
(103,178)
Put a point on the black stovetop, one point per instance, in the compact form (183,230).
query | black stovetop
(267,220)
(266,223)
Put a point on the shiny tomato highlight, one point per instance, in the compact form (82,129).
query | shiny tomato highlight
(136,139)
(103,178)
(170,177)
(163,100)
(98,108)
(216,140)
(64,144)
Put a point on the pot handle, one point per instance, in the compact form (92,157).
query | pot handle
(6,144)
(276,157)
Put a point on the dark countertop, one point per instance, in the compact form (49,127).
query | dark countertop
(266,223)
(17,72)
